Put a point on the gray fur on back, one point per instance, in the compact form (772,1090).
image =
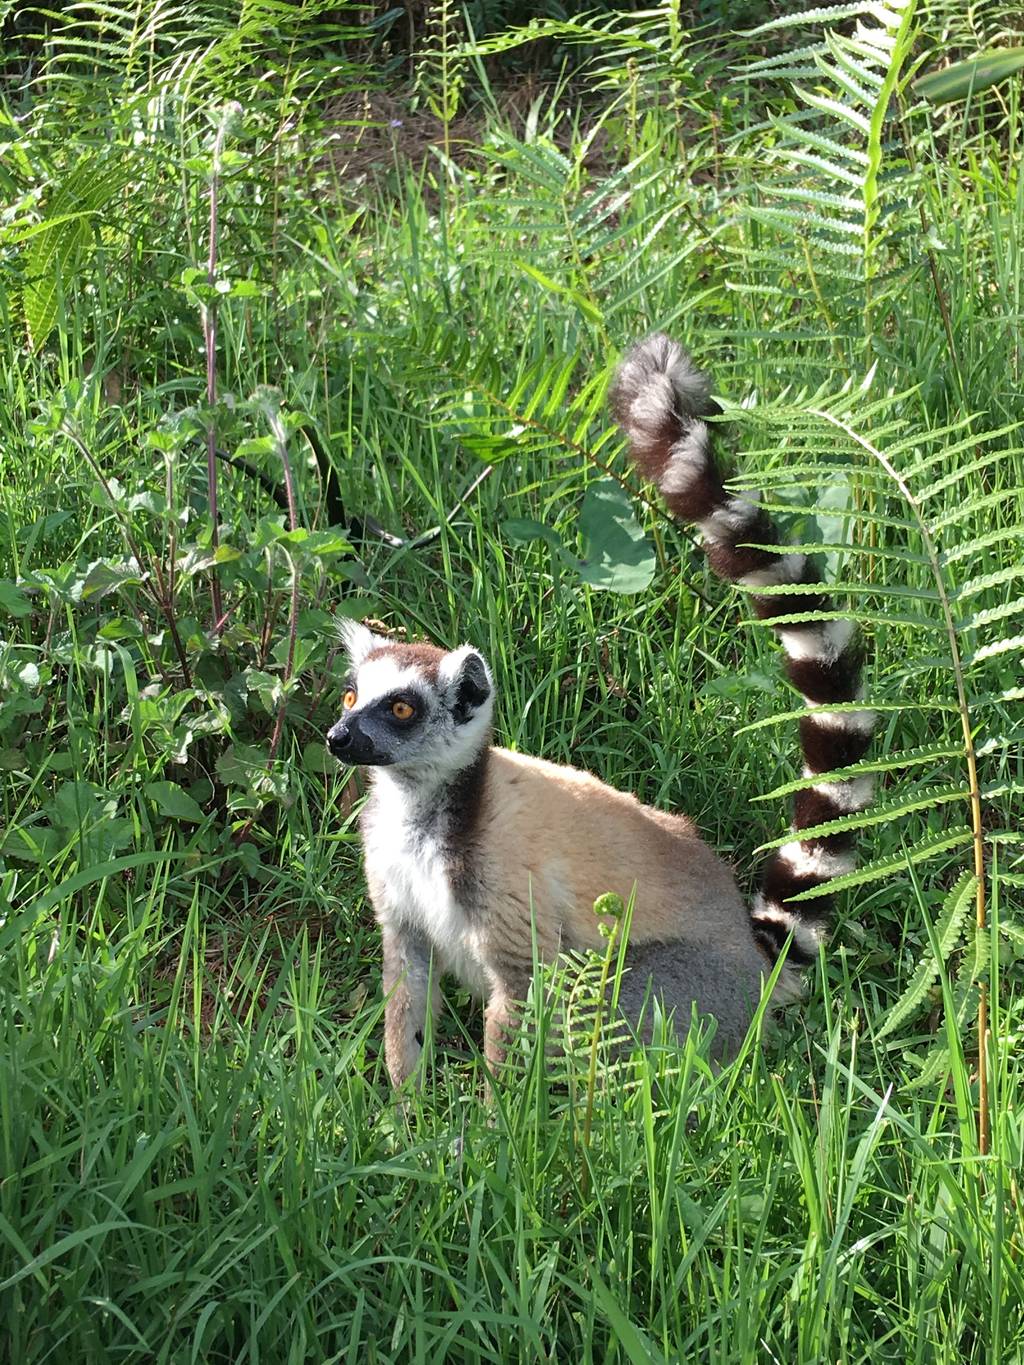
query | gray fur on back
(722,983)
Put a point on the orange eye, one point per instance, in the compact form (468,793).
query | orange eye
(401,710)
(349,699)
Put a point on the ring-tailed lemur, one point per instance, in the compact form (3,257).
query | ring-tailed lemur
(474,853)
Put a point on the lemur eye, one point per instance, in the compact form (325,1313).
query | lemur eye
(349,699)
(401,710)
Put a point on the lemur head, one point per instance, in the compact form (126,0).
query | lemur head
(411,707)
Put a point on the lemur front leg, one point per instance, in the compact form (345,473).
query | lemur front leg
(502,1018)
(412,993)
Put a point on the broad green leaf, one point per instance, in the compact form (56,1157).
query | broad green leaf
(104,577)
(325,543)
(525,531)
(172,801)
(962,79)
(32,843)
(12,600)
(617,555)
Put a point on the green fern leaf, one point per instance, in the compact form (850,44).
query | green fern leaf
(947,933)
(971,548)
(906,758)
(934,703)
(880,868)
(928,798)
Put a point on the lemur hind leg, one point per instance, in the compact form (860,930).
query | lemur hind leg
(725,983)
(412,994)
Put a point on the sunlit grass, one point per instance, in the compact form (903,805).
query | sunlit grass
(199,1155)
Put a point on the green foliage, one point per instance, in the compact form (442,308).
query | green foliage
(616,556)
(828,204)
(961,80)
(946,934)
(201,1159)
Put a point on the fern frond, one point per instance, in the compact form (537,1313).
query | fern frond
(831,14)
(992,650)
(868,517)
(824,547)
(849,707)
(987,615)
(835,137)
(890,762)
(964,472)
(776,65)
(863,618)
(880,868)
(986,503)
(897,592)
(946,934)
(928,798)
(972,547)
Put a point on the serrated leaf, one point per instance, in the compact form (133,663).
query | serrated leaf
(947,932)
(241,765)
(103,577)
(256,445)
(878,815)
(884,867)
(148,501)
(54,252)
(905,758)
(268,529)
(267,686)
(324,543)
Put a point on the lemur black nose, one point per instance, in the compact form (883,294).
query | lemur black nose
(339,738)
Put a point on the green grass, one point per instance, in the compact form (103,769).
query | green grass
(199,1155)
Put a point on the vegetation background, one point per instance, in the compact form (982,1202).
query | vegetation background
(385,261)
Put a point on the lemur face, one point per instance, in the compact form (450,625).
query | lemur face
(411,707)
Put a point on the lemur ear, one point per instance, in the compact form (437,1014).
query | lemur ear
(466,675)
(358,640)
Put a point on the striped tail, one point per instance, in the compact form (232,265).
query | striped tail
(659,399)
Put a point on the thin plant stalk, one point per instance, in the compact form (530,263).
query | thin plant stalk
(231,111)
(163,595)
(281,445)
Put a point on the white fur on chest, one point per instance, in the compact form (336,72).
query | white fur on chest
(409,871)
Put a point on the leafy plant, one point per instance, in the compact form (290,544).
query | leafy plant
(200,1155)
(961,80)
(832,206)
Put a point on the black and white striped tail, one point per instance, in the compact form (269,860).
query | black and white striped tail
(659,399)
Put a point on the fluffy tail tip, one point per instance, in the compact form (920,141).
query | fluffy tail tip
(656,381)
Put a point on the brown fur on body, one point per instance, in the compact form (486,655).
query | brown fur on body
(475,854)
(543,844)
